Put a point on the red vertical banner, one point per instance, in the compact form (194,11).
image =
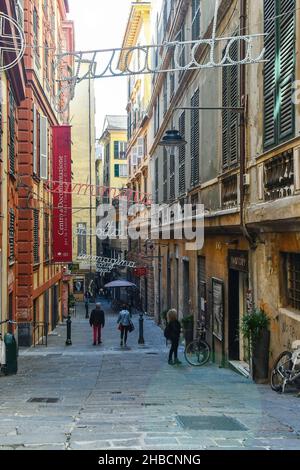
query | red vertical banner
(62,201)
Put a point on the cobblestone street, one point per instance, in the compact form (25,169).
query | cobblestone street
(114,398)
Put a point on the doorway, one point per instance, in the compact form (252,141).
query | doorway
(237,300)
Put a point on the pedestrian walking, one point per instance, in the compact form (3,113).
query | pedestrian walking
(172,333)
(86,299)
(97,321)
(124,322)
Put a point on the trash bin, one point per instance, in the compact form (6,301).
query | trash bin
(11,366)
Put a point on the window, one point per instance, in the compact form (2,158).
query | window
(46,237)
(35,31)
(35,162)
(293,280)
(165,95)
(172,78)
(43,147)
(120,150)
(182,53)
(12,134)
(279,71)
(172,177)
(230,121)
(11,236)
(182,153)
(195,144)
(195,19)
(156,180)
(165,174)
(156,116)
(46,59)
(36,257)
(121,171)
(81,239)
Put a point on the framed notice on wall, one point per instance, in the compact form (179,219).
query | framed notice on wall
(218,308)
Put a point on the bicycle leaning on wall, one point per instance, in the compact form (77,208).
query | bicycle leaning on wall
(197,352)
(286,370)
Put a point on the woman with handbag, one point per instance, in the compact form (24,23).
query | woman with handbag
(125,324)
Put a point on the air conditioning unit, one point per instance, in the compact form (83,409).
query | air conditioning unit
(246,179)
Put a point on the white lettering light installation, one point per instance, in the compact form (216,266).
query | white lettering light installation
(104,63)
(10,42)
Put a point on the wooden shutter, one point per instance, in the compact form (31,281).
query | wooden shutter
(165,174)
(117,171)
(46,237)
(35,236)
(116,149)
(140,147)
(182,153)
(11,235)
(230,119)
(35,142)
(195,19)
(12,133)
(195,143)
(279,71)
(287,39)
(43,147)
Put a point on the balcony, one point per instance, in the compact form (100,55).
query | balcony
(279,177)
(230,192)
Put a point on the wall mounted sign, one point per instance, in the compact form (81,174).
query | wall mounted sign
(238,260)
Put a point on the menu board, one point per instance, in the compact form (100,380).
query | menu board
(218,308)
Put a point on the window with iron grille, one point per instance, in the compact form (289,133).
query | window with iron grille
(195,19)
(279,71)
(46,237)
(11,236)
(231,119)
(36,257)
(195,144)
(182,154)
(293,280)
(12,134)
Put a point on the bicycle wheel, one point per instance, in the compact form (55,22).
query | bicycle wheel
(197,353)
(280,372)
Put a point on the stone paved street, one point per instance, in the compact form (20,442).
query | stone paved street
(114,398)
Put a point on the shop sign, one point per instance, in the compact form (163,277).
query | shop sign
(238,260)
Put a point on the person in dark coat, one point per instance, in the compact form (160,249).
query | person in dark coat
(86,303)
(172,333)
(97,321)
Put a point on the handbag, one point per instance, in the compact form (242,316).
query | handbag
(131,327)
(120,327)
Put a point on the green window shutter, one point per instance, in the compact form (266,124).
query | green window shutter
(230,120)
(279,71)
(182,154)
(117,171)
(287,68)
(116,149)
(195,144)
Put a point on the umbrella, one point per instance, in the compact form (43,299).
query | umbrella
(120,283)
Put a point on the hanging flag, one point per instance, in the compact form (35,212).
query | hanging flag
(62,201)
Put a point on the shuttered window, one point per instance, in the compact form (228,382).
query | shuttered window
(230,121)
(182,154)
(195,19)
(43,147)
(46,237)
(156,180)
(172,177)
(36,258)
(195,144)
(116,149)
(12,134)
(279,71)
(11,236)
(35,140)
(165,175)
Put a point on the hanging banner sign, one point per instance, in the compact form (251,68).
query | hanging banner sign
(62,201)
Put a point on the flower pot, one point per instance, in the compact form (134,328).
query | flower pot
(260,357)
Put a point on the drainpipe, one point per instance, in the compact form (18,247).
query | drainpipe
(243,25)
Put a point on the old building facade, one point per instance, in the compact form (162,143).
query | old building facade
(39,280)
(241,164)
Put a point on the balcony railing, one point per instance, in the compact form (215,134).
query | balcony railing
(279,178)
(230,192)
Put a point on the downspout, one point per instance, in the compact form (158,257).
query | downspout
(243,26)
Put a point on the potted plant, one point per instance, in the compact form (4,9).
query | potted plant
(188,328)
(255,328)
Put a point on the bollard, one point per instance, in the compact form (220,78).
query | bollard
(141,329)
(69,324)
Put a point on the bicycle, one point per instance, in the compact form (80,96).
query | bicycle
(197,352)
(286,370)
